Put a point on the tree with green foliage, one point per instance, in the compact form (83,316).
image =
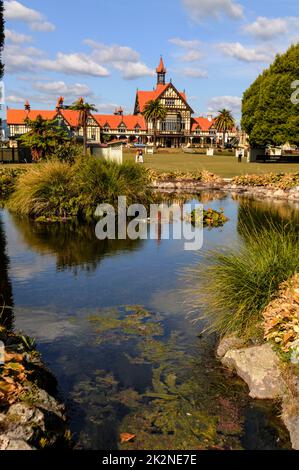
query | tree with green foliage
(154,111)
(85,110)
(43,138)
(2,37)
(224,123)
(269,116)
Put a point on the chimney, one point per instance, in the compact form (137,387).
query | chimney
(27,106)
(210,117)
(119,111)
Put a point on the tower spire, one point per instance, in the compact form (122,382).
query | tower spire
(161,72)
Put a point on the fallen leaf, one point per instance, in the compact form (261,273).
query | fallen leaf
(126,437)
(7,388)
(13,357)
(15,366)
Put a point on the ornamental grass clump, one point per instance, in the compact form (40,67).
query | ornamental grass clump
(44,190)
(56,190)
(8,178)
(100,182)
(239,283)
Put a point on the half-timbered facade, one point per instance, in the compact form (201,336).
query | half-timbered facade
(179,128)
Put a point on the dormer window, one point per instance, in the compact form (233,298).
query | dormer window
(198,130)
(137,129)
(106,127)
(122,127)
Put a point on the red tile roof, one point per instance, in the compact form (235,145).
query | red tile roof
(204,123)
(18,116)
(146,96)
(113,121)
(71,117)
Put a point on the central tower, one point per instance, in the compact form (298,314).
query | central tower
(161,73)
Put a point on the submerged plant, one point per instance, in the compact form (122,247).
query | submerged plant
(175,410)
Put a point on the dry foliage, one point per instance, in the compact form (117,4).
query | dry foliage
(202,176)
(281,320)
(270,180)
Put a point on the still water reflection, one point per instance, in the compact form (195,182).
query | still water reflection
(111,323)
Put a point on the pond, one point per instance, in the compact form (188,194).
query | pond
(111,321)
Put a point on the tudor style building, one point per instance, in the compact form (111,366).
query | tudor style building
(179,128)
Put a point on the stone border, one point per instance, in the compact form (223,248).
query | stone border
(263,192)
(34,419)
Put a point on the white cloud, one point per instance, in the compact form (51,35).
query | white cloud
(186,44)
(112,53)
(57,88)
(16,11)
(131,70)
(191,56)
(247,54)
(199,9)
(123,58)
(16,38)
(43,26)
(191,47)
(268,28)
(106,108)
(232,103)
(20,59)
(29,59)
(195,73)
(77,63)
(15,99)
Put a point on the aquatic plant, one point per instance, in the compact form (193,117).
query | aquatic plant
(211,218)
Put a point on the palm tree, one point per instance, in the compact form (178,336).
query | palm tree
(44,136)
(84,112)
(224,122)
(154,111)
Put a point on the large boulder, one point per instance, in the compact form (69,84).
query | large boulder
(227,343)
(290,417)
(259,367)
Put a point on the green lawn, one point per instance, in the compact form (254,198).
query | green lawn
(225,166)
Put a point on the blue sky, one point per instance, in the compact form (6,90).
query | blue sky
(104,50)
